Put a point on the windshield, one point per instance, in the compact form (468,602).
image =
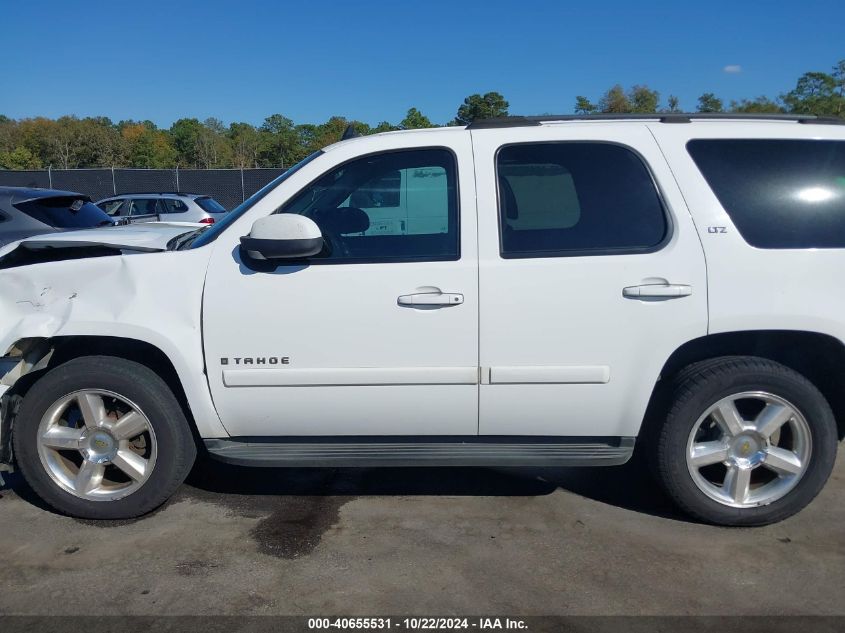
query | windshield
(208,236)
(65,212)
(209,204)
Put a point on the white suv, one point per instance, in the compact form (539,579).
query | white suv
(522,292)
(168,207)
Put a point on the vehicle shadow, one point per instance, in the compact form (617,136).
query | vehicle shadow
(629,487)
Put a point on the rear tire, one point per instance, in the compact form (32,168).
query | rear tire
(747,441)
(100,437)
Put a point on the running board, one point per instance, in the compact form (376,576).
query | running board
(426,451)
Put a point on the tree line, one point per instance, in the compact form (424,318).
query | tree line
(819,93)
(70,142)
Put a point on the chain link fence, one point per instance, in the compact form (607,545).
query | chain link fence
(229,187)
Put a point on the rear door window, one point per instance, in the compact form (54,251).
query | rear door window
(566,199)
(778,193)
(173,205)
(114,207)
(144,206)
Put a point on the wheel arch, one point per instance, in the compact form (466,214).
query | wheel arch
(41,354)
(819,357)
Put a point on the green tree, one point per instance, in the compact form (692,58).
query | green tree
(146,147)
(213,150)
(306,140)
(674,104)
(584,105)
(332,131)
(37,136)
(760,105)
(98,143)
(643,100)
(19,158)
(708,102)
(246,145)
(615,101)
(415,120)
(280,142)
(487,106)
(384,126)
(184,134)
(839,76)
(818,93)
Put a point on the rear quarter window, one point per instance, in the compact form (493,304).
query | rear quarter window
(778,193)
(210,205)
(63,212)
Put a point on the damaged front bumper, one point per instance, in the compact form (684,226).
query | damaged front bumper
(5,421)
(7,365)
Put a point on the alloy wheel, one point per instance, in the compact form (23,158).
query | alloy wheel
(97,445)
(749,449)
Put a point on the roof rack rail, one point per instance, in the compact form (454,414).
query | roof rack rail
(662,117)
(158,193)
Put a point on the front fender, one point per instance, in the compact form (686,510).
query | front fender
(134,297)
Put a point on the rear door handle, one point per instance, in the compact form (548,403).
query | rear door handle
(657,291)
(423,299)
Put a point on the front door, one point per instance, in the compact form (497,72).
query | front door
(378,334)
(591,275)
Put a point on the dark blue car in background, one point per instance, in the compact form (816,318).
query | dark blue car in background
(25,212)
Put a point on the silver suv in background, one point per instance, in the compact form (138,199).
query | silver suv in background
(169,207)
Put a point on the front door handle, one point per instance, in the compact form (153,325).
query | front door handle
(657,291)
(431,299)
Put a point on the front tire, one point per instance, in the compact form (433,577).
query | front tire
(100,437)
(747,441)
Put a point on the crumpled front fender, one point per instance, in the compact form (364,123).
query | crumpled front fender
(153,298)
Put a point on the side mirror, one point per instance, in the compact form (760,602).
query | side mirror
(283,236)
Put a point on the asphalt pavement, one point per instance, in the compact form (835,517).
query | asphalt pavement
(238,541)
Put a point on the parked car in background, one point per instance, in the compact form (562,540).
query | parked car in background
(170,207)
(25,212)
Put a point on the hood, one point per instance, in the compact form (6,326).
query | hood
(150,236)
(112,240)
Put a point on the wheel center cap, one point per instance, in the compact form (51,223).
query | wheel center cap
(99,446)
(747,450)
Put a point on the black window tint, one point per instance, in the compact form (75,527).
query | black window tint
(113,207)
(396,206)
(778,193)
(173,205)
(558,199)
(144,206)
(65,212)
(210,205)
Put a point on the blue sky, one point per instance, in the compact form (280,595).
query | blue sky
(372,60)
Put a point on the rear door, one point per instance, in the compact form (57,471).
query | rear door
(144,209)
(591,275)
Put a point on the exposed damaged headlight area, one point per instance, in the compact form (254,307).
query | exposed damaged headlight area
(25,356)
